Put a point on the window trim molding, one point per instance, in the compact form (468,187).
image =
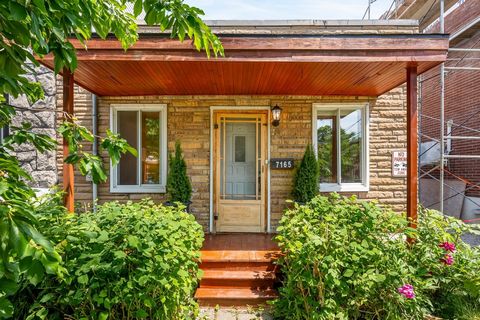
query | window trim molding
(364,186)
(142,188)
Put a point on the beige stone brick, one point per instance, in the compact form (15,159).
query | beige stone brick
(189,122)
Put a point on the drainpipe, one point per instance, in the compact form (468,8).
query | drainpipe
(94,147)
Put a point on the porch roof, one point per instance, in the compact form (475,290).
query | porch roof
(364,63)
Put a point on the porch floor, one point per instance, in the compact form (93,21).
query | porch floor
(239,241)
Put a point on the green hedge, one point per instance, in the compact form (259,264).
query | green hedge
(126,261)
(349,259)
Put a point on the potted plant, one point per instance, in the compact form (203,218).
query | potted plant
(305,183)
(179,188)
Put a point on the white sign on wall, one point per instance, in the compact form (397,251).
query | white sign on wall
(399,163)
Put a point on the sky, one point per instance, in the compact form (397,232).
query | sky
(293,9)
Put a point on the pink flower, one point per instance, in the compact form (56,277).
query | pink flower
(447,260)
(407,291)
(448,246)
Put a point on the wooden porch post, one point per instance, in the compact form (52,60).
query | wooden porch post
(68,177)
(412,145)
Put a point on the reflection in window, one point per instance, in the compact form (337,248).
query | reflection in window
(151,147)
(327,157)
(351,135)
(127,127)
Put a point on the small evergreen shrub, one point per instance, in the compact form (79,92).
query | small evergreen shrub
(126,261)
(349,259)
(305,183)
(179,187)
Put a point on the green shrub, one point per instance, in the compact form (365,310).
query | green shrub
(454,289)
(126,261)
(34,255)
(347,259)
(178,184)
(305,183)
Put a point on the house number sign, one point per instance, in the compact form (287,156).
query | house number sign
(282,163)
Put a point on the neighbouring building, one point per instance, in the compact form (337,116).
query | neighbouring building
(461,188)
(42,116)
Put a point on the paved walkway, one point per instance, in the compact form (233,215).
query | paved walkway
(233,314)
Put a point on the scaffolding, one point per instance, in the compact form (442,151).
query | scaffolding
(447,128)
(426,15)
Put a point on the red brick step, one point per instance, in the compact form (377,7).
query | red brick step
(238,278)
(233,296)
(239,270)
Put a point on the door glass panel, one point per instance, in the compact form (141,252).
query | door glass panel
(238,159)
(240,151)
(127,128)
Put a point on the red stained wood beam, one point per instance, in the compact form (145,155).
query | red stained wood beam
(68,177)
(343,43)
(412,145)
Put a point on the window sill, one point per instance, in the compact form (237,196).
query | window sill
(139,189)
(347,187)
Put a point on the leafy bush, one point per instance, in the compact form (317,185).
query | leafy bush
(178,183)
(305,184)
(454,284)
(349,259)
(126,261)
(25,254)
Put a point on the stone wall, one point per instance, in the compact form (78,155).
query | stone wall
(189,121)
(41,114)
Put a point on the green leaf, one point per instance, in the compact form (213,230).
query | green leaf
(141,313)
(3,186)
(133,241)
(103,315)
(8,286)
(137,8)
(35,273)
(119,254)
(6,308)
(379,277)
(83,279)
(348,273)
(17,11)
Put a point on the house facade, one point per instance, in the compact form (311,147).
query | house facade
(339,85)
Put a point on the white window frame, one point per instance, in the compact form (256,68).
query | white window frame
(141,188)
(365,172)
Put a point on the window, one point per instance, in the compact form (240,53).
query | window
(145,128)
(340,139)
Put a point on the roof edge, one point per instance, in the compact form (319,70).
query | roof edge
(311,22)
(307,22)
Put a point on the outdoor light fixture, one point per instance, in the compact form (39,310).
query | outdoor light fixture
(276,112)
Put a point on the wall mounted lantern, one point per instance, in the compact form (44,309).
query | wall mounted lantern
(276,112)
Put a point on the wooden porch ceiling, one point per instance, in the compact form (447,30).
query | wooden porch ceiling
(360,65)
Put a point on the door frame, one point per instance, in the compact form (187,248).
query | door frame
(248,109)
